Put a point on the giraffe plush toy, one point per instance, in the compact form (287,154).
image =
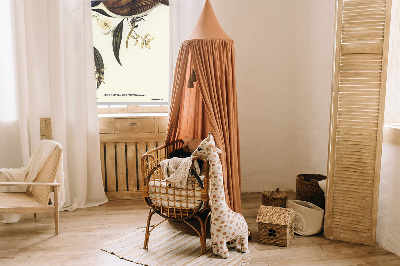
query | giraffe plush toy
(226,225)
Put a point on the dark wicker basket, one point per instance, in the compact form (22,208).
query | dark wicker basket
(274,198)
(308,189)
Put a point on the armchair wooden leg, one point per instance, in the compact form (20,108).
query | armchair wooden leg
(56,212)
(34,215)
(147,235)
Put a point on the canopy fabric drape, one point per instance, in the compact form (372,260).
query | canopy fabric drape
(211,106)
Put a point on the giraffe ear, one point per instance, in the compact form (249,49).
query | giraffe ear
(216,149)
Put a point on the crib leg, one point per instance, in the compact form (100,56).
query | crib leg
(202,234)
(147,235)
(203,237)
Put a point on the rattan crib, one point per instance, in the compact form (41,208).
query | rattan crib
(170,202)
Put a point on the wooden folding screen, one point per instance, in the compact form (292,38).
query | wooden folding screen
(358,96)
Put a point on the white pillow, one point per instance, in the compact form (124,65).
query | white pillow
(322,184)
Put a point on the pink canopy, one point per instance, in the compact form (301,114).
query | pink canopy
(211,105)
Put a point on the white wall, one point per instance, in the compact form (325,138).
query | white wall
(314,60)
(284,52)
(265,34)
(388,227)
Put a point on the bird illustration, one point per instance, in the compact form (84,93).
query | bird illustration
(127,8)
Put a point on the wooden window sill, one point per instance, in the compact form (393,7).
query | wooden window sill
(134,115)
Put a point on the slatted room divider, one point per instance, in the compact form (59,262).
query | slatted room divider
(358,95)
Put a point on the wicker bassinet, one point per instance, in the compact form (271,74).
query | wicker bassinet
(175,203)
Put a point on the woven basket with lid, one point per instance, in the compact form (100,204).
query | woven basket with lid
(274,198)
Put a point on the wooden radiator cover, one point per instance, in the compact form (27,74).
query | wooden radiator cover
(358,97)
(123,141)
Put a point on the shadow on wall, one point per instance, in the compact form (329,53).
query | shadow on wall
(388,227)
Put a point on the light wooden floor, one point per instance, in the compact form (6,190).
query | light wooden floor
(83,232)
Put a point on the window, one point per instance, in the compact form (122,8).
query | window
(131,48)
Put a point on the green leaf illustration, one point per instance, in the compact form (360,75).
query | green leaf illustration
(99,66)
(117,37)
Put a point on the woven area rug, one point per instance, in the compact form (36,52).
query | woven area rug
(167,247)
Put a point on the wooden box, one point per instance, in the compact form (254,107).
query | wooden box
(275,225)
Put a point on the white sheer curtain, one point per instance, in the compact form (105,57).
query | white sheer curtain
(10,156)
(183,18)
(55,77)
